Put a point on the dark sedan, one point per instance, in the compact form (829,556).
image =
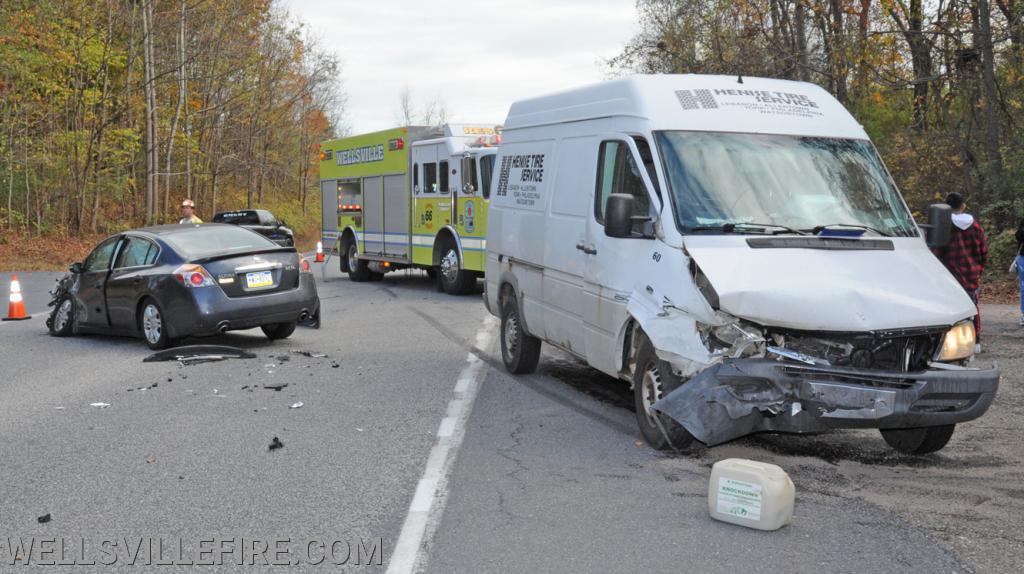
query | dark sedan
(261,221)
(173,281)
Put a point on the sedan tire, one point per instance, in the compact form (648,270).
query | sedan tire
(62,322)
(153,326)
(278,330)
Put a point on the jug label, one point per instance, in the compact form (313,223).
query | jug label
(738,498)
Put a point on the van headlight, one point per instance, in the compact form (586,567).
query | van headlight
(958,343)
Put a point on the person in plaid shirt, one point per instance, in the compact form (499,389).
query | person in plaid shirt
(965,255)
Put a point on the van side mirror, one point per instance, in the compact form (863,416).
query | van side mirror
(76,267)
(940,225)
(618,215)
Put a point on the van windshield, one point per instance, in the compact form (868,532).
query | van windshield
(753,183)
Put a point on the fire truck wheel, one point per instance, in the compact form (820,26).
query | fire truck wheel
(343,255)
(358,269)
(454,279)
(520,351)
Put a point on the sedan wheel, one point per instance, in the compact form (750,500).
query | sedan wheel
(153,328)
(62,322)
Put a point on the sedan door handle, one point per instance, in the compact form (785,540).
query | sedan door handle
(585,249)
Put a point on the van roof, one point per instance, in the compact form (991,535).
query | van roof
(696,102)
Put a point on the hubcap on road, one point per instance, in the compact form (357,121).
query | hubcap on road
(450,265)
(63,314)
(651,391)
(152,325)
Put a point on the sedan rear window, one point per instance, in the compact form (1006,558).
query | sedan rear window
(214,240)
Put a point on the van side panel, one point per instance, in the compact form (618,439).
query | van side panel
(564,261)
(518,225)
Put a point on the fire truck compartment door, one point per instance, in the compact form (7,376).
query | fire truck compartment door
(396,215)
(373,216)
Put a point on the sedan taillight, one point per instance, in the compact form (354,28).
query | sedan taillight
(193,276)
(304,264)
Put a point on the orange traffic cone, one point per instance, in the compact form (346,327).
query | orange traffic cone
(16,311)
(319,252)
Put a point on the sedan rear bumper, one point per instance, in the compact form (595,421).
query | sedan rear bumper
(209,311)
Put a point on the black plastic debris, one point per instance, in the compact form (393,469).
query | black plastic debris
(310,354)
(276,386)
(334,365)
(193,354)
(274,445)
(46,517)
(283,358)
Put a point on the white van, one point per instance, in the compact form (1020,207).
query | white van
(735,249)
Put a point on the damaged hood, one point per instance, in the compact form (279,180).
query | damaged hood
(783,285)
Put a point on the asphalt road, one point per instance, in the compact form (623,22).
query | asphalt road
(549,475)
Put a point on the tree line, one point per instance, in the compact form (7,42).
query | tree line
(112,111)
(938,84)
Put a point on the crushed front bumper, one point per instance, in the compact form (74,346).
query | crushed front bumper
(743,396)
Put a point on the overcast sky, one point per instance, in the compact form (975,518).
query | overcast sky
(477,57)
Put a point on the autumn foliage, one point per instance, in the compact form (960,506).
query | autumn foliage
(113,111)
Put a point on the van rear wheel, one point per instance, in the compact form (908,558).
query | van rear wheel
(922,440)
(653,380)
(520,351)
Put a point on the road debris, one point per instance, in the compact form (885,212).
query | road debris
(151,459)
(276,386)
(58,408)
(310,354)
(44,518)
(274,445)
(334,365)
(296,405)
(195,354)
(99,405)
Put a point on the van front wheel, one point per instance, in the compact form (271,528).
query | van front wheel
(519,350)
(653,380)
(922,440)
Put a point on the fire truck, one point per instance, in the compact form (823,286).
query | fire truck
(410,197)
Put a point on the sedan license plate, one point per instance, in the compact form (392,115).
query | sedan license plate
(259,279)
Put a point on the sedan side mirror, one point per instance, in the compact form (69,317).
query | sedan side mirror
(618,215)
(76,267)
(940,225)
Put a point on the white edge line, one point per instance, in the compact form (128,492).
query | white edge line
(431,490)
